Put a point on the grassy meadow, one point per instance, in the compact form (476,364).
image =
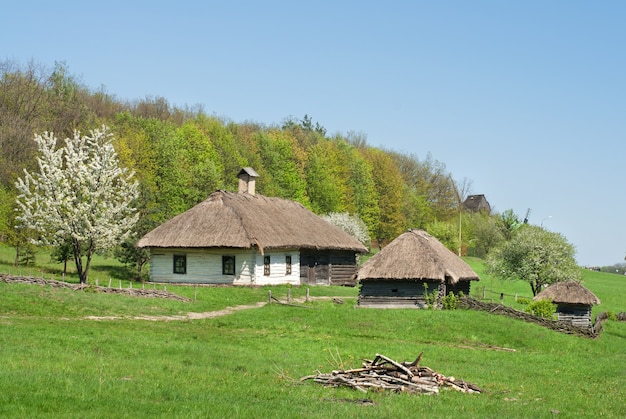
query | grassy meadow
(56,362)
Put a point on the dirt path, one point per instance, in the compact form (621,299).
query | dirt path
(205,315)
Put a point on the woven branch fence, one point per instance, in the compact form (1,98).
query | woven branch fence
(559,326)
(135,292)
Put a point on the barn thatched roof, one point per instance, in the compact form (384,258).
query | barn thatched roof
(241,220)
(476,203)
(416,255)
(568,292)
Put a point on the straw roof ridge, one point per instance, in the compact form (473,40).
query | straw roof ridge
(240,220)
(416,255)
(568,292)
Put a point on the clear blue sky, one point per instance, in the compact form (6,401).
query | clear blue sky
(527,99)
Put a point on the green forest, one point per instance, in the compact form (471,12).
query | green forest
(180,155)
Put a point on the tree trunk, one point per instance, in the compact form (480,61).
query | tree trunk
(78,260)
(139,269)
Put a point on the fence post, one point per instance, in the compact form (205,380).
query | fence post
(307,294)
(288,295)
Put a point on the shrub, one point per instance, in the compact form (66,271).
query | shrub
(523,300)
(430,298)
(542,308)
(450,302)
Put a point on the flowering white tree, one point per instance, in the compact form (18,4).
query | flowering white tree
(351,224)
(79,196)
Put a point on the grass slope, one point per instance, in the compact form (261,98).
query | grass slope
(56,363)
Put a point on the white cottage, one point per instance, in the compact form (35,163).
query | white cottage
(248,239)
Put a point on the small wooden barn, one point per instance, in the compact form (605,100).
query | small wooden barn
(477,203)
(412,264)
(248,239)
(573,302)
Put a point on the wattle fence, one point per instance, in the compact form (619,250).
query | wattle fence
(136,292)
(559,326)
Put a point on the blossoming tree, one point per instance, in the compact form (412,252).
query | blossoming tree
(351,224)
(79,196)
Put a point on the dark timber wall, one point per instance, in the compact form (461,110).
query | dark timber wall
(395,293)
(327,267)
(576,314)
(459,287)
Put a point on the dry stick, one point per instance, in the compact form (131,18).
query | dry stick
(416,362)
(396,364)
(344,380)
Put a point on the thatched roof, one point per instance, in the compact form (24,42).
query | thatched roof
(568,292)
(416,255)
(241,220)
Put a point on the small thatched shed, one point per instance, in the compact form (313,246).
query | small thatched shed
(573,302)
(249,239)
(412,264)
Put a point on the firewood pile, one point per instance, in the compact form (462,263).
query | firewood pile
(383,373)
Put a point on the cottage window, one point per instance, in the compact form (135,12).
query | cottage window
(228,265)
(288,265)
(266,266)
(180,264)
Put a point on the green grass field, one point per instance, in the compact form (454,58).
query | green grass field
(57,363)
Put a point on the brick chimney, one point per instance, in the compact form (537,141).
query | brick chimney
(247,180)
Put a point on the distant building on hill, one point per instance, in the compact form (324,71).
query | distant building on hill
(476,203)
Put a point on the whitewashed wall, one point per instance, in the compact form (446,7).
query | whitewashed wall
(278,267)
(205,267)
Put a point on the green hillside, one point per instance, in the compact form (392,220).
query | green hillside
(58,362)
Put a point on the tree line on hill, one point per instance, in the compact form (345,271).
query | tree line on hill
(181,155)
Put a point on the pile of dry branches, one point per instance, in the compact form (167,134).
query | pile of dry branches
(384,373)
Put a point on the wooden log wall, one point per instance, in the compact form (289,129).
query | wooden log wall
(395,293)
